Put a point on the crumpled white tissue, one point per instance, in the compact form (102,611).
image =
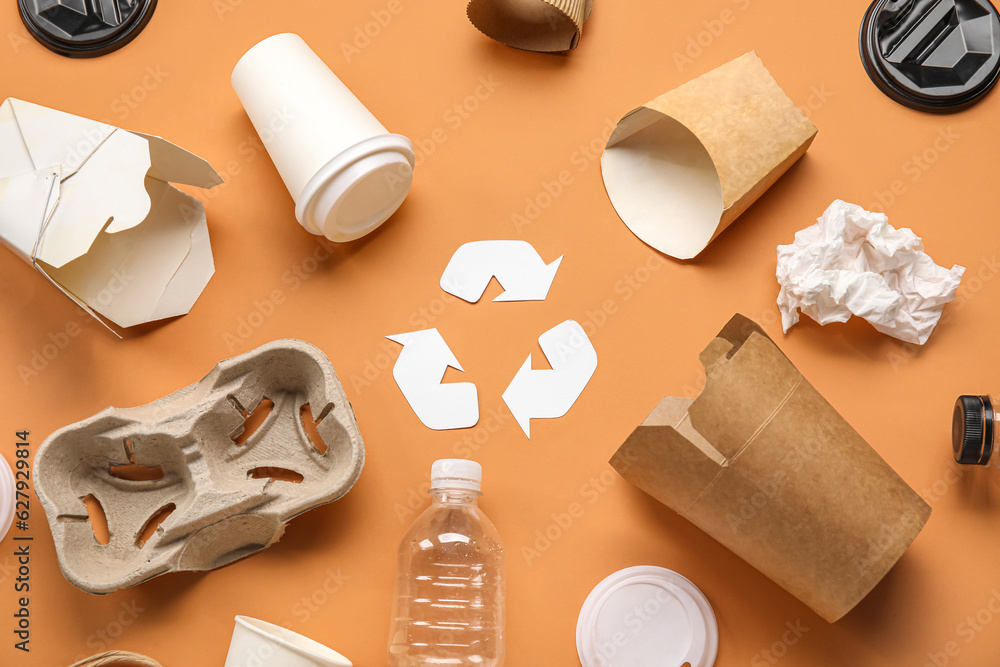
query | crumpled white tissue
(853,262)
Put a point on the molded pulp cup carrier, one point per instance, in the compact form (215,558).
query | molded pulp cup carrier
(345,171)
(257,643)
(216,487)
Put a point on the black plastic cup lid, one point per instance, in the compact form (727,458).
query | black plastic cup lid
(932,55)
(85,28)
(972,430)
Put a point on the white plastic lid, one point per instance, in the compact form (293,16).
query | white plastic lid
(359,189)
(7,497)
(647,617)
(456,474)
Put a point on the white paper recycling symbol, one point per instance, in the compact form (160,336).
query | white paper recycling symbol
(531,394)
(419,371)
(515,264)
(550,393)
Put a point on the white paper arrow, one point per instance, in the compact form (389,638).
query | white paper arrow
(418,373)
(547,394)
(516,265)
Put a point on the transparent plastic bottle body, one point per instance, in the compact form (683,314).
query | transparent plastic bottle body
(449,602)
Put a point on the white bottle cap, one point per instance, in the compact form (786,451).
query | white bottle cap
(7,497)
(258,643)
(456,474)
(647,616)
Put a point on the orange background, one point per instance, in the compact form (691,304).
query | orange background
(648,326)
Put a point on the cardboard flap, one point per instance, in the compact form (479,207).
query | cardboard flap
(716,352)
(75,299)
(108,192)
(676,413)
(14,157)
(146,272)
(739,328)
(730,339)
(173,164)
(57,138)
(658,445)
(191,277)
(742,393)
(698,436)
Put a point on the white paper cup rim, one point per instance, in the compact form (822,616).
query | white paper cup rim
(308,649)
(319,216)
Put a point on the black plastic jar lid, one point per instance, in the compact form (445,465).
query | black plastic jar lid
(85,28)
(932,55)
(972,430)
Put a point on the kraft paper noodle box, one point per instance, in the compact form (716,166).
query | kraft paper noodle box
(830,518)
(185,483)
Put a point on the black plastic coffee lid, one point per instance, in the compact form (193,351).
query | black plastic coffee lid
(972,430)
(932,55)
(85,28)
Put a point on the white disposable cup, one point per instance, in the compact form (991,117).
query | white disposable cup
(260,644)
(345,171)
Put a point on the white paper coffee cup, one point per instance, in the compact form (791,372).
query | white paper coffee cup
(345,171)
(261,644)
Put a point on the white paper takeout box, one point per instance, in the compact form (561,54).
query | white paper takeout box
(91,207)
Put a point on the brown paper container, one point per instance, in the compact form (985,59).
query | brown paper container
(762,463)
(532,25)
(682,168)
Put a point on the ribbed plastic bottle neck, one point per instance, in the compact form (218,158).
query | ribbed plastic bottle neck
(453,496)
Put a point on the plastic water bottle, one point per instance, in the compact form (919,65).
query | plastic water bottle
(449,604)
